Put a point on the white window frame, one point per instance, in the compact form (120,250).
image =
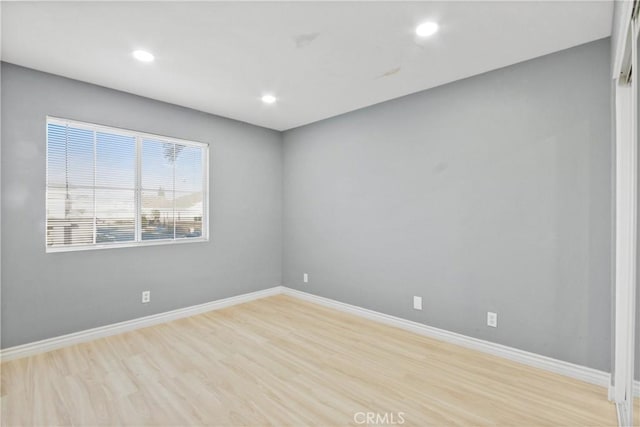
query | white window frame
(139,136)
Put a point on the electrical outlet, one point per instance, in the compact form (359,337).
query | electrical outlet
(305,277)
(417,303)
(146,296)
(492,319)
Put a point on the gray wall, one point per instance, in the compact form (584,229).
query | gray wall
(45,295)
(487,194)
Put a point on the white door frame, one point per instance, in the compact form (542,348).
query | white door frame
(626,185)
(625,265)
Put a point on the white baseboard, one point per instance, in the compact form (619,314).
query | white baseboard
(130,325)
(572,370)
(583,373)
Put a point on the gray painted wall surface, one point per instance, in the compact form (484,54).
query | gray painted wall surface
(487,194)
(45,295)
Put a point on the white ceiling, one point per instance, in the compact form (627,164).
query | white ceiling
(320,58)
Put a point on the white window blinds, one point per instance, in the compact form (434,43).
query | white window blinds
(108,187)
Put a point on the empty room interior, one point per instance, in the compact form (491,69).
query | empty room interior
(319,213)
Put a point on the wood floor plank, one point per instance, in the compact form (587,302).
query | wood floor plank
(284,362)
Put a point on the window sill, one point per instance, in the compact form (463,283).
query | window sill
(98,246)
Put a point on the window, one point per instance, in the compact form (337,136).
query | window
(111,187)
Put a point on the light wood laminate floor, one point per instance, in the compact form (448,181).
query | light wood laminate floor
(281,361)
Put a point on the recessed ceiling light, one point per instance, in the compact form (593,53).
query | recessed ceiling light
(427,29)
(269,99)
(143,55)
